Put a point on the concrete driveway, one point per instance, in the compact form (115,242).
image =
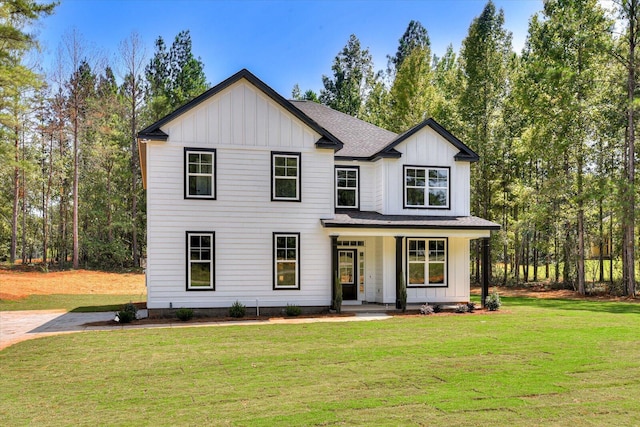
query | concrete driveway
(18,326)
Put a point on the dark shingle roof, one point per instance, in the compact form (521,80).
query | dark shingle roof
(361,139)
(376,220)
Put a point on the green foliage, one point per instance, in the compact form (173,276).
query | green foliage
(128,313)
(184,314)
(352,79)
(493,302)
(337,294)
(403,293)
(237,309)
(293,310)
(437,308)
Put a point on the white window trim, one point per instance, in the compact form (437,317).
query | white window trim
(211,286)
(275,261)
(356,188)
(426,188)
(298,176)
(187,174)
(426,262)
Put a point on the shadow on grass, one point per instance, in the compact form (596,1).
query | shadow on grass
(613,307)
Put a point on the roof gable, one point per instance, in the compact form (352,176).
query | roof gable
(154,131)
(465,154)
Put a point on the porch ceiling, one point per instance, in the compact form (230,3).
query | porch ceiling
(375,220)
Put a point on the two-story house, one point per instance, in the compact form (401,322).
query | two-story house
(269,202)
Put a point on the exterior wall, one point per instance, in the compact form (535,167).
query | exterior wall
(244,126)
(425,148)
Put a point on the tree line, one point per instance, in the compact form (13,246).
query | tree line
(554,126)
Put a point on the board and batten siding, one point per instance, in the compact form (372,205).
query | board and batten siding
(425,148)
(244,126)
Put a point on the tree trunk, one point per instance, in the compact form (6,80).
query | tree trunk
(16,198)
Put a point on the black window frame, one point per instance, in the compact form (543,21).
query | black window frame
(426,198)
(298,156)
(446,262)
(274,248)
(214,175)
(357,188)
(212,261)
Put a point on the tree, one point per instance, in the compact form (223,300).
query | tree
(485,56)
(352,79)
(414,37)
(173,76)
(133,56)
(566,50)
(16,78)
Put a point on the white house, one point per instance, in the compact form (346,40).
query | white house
(254,198)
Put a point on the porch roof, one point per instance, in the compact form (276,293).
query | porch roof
(365,219)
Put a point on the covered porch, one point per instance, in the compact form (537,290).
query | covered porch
(374,255)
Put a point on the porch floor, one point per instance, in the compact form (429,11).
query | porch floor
(375,308)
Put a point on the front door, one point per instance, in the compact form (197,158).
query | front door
(347,271)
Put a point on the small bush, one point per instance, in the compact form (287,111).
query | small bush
(293,310)
(437,308)
(184,314)
(426,309)
(237,309)
(493,302)
(471,307)
(127,314)
(461,308)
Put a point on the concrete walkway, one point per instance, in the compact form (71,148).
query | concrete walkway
(18,326)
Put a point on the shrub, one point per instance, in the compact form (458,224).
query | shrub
(461,308)
(437,308)
(237,309)
(293,310)
(337,291)
(493,302)
(184,314)
(127,314)
(471,307)
(426,309)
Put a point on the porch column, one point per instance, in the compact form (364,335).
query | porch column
(485,270)
(334,268)
(398,270)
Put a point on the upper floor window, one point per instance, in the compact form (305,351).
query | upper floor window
(200,261)
(426,187)
(347,187)
(285,180)
(200,169)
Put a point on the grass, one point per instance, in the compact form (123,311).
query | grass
(76,303)
(540,362)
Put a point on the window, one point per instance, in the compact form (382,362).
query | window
(426,187)
(427,262)
(347,188)
(286,270)
(285,176)
(200,267)
(200,169)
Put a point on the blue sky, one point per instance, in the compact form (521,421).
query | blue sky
(282,42)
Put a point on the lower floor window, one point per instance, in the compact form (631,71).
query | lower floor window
(286,254)
(427,262)
(200,257)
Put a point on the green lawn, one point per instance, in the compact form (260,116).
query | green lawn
(537,362)
(78,303)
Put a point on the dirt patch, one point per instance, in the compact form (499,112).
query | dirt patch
(541,291)
(19,283)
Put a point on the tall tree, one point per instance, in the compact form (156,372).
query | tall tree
(132,55)
(174,76)
(629,12)
(352,79)
(414,37)
(15,77)
(485,56)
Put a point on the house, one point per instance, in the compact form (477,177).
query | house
(265,201)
